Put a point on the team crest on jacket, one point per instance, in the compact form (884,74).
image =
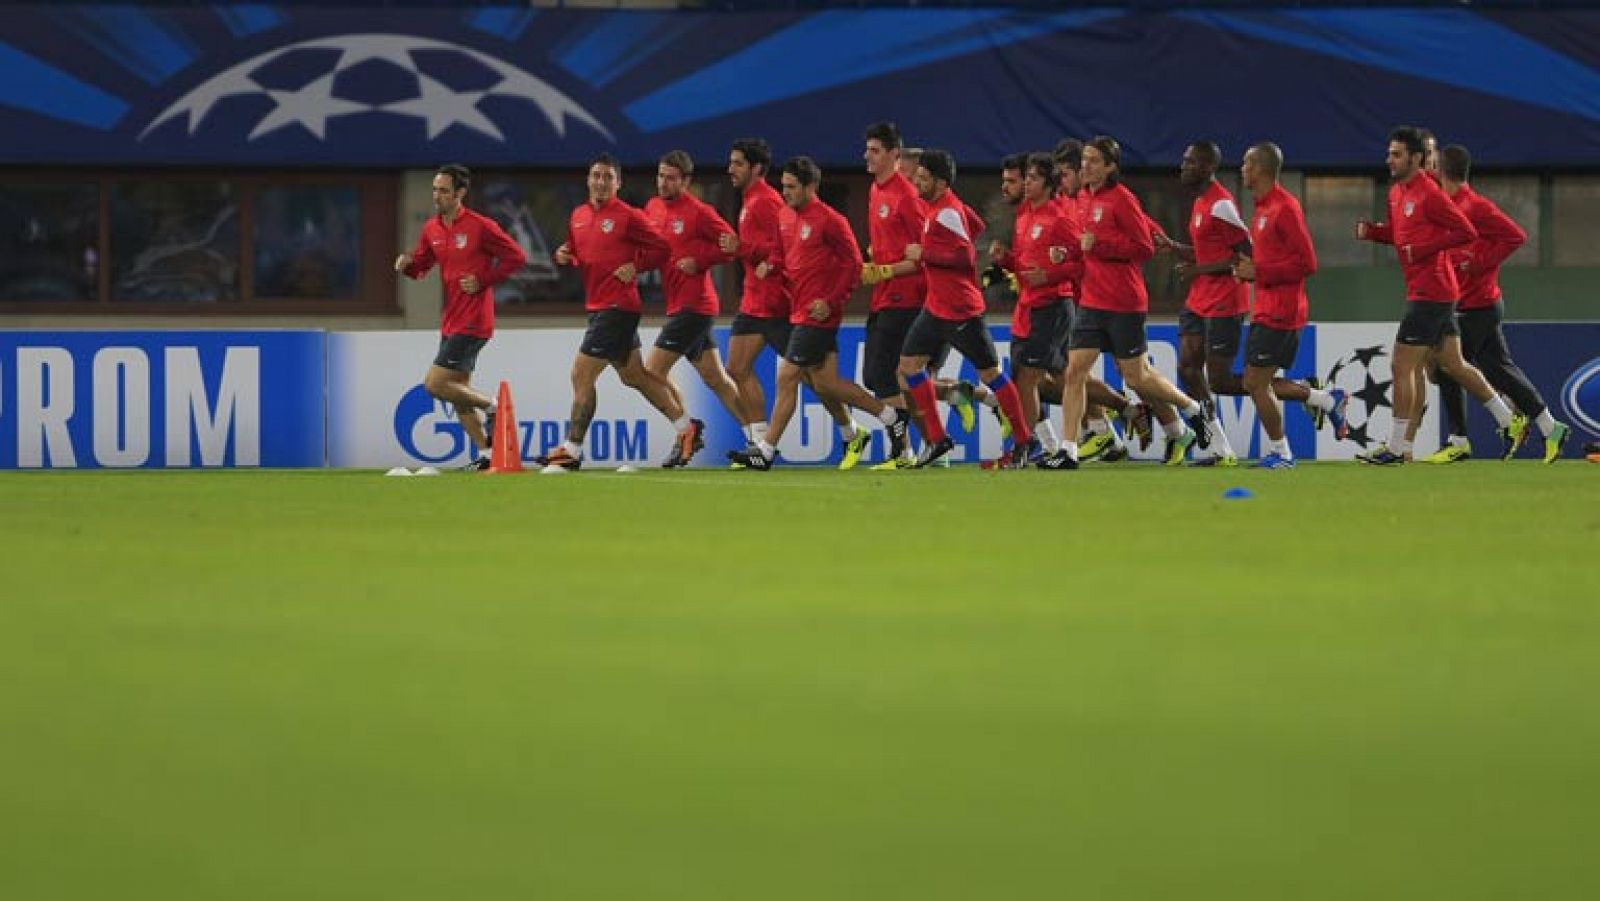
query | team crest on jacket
(677,226)
(1098,211)
(1261,223)
(461,241)
(883,211)
(1036,232)
(606,225)
(805,231)
(1197,220)
(1410,206)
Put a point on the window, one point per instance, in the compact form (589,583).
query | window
(1332,205)
(308,242)
(180,242)
(49,241)
(1575,220)
(174,241)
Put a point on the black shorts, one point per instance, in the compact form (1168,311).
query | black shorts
(809,346)
(1049,329)
(930,334)
(1117,333)
(1480,330)
(1427,323)
(880,364)
(775,330)
(1273,348)
(688,334)
(1221,333)
(459,352)
(612,335)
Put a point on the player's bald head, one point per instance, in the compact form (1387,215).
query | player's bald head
(1268,156)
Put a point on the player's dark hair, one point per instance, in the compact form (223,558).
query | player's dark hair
(804,169)
(460,176)
(940,164)
(1208,151)
(755,152)
(1455,163)
(1411,137)
(884,133)
(1068,153)
(606,159)
(1014,161)
(1111,152)
(679,160)
(1045,165)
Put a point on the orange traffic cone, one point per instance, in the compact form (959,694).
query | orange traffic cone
(507,455)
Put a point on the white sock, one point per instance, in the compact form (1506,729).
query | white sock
(1459,441)
(1498,409)
(1281,448)
(847,430)
(1545,422)
(1173,428)
(1071,447)
(1219,439)
(1397,432)
(1045,431)
(888,415)
(758,432)
(1190,411)
(1402,447)
(766,449)
(1320,399)
(682,423)
(575,448)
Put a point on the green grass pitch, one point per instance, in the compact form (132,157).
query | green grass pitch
(1111,684)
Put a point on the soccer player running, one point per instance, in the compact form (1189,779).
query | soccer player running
(895,216)
(694,233)
(473,255)
(953,314)
(1211,323)
(822,262)
(1112,306)
(1480,314)
(1042,319)
(1283,259)
(1424,224)
(764,303)
(611,243)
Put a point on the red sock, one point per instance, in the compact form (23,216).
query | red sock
(1011,403)
(928,409)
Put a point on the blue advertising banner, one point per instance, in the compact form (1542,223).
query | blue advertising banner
(161,399)
(266,85)
(1562,359)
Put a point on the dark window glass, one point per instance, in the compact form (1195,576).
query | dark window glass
(48,237)
(174,242)
(308,242)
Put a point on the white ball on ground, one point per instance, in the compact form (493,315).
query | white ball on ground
(627,468)
(427,471)
(398,471)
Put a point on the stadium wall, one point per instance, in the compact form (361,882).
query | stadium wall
(354,399)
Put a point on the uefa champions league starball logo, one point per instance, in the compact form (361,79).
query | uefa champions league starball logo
(318,91)
(1354,374)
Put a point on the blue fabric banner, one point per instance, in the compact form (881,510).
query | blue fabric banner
(267,85)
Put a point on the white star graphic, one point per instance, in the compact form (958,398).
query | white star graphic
(311,106)
(442,108)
